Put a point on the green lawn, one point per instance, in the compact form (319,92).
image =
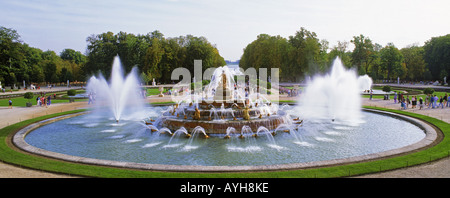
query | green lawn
(12,156)
(153,91)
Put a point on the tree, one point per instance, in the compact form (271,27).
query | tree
(50,71)
(428,91)
(387,88)
(305,52)
(340,50)
(437,55)
(28,95)
(12,58)
(391,61)
(363,53)
(151,53)
(101,51)
(153,58)
(413,58)
(267,52)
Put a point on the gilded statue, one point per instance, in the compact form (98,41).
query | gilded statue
(196,114)
(246,114)
(224,80)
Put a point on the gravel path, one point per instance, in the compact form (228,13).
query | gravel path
(436,169)
(17,114)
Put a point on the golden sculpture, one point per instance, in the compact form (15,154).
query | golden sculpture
(196,114)
(224,80)
(246,114)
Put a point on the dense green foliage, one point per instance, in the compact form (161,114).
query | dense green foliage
(71,92)
(28,95)
(386,88)
(300,54)
(437,56)
(304,54)
(154,55)
(19,62)
(428,91)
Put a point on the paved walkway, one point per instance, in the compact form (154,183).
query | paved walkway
(437,169)
(18,114)
(42,89)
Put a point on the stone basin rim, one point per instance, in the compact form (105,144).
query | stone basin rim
(432,137)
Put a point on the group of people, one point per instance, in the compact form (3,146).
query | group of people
(44,101)
(430,101)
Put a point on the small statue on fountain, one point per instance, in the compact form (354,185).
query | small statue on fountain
(246,114)
(224,80)
(196,114)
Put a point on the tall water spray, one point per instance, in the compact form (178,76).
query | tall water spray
(119,92)
(334,96)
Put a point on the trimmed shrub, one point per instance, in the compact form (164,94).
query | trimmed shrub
(72,92)
(428,91)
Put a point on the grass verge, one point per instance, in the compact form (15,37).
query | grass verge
(15,157)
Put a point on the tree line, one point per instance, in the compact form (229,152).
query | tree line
(300,55)
(304,54)
(19,62)
(154,55)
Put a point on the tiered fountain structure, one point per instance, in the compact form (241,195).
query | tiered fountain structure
(225,108)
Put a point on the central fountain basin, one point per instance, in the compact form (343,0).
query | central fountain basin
(94,136)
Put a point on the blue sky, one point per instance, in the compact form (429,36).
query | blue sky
(230,25)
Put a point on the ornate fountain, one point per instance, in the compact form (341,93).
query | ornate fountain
(225,108)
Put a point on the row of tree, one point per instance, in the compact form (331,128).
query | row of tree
(153,55)
(304,55)
(19,62)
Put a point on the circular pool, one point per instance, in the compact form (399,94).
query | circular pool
(97,137)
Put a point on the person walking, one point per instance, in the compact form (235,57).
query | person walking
(446,100)
(420,103)
(395,97)
(10,104)
(435,101)
(430,103)
(407,102)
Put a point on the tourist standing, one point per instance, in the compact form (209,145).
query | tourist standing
(395,97)
(44,101)
(407,101)
(414,102)
(430,103)
(446,100)
(435,101)
(420,103)
(403,103)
